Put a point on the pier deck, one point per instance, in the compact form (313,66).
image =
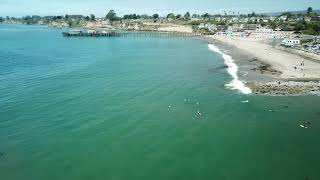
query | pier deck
(134,34)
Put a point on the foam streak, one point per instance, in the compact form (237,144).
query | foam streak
(235,84)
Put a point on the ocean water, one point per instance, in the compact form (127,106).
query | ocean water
(127,108)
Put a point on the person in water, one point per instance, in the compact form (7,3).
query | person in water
(199,113)
(307,125)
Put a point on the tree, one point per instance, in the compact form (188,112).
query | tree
(206,15)
(299,26)
(309,11)
(195,15)
(187,16)
(66,17)
(1,19)
(155,16)
(134,16)
(112,16)
(253,14)
(87,18)
(131,16)
(171,16)
(144,16)
(92,17)
(178,16)
(70,23)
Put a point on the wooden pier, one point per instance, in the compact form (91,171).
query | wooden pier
(151,34)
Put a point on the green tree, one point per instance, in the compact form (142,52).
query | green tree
(134,16)
(70,23)
(66,17)
(253,14)
(1,19)
(155,16)
(309,11)
(92,17)
(171,16)
(178,16)
(206,15)
(87,18)
(144,16)
(112,16)
(299,26)
(195,15)
(187,16)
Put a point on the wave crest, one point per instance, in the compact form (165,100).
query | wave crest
(235,84)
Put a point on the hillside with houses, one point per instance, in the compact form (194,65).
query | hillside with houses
(302,28)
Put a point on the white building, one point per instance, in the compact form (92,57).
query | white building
(290,42)
(210,27)
(268,33)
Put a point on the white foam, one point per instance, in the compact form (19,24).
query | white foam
(235,84)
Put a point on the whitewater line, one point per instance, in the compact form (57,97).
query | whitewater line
(235,84)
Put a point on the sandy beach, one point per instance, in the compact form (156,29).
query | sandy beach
(288,64)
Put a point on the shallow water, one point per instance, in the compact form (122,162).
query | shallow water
(98,108)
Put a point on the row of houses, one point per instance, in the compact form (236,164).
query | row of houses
(258,33)
(259,19)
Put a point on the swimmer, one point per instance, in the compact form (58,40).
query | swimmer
(170,106)
(246,101)
(199,113)
(197,103)
(306,125)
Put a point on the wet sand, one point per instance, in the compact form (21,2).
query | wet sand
(268,70)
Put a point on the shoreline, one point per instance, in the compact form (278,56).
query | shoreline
(274,71)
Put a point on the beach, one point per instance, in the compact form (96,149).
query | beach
(288,64)
(286,70)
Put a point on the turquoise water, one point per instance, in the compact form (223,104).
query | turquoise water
(98,108)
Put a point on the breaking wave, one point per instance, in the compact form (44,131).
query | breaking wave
(235,84)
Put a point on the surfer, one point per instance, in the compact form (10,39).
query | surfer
(199,113)
(305,125)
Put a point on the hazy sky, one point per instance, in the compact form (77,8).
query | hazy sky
(100,7)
